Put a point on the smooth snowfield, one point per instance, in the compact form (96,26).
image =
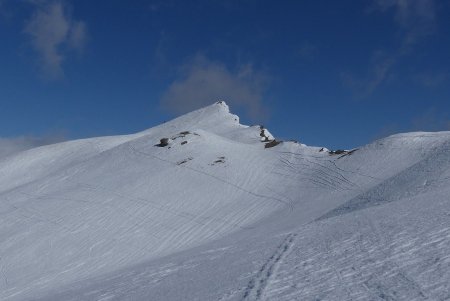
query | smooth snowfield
(217,216)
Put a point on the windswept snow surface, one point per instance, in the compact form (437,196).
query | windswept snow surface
(215,215)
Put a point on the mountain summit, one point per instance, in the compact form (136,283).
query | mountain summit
(204,208)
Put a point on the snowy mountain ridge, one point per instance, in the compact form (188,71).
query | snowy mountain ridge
(223,213)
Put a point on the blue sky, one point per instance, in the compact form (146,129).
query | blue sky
(329,73)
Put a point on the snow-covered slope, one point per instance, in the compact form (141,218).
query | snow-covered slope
(218,215)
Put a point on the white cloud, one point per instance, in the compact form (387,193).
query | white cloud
(409,10)
(53,32)
(307,50)
(10,146)
(379,69)
(431,80)
(431,120)
(416,19)
(202,81)
(5,12)
(77,35)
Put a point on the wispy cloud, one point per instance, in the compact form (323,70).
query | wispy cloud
(431,80)
(202,81)
(5,13)
(415,19)
(10,146)
(307,50)
(380,66)
(53,33)
(431,120)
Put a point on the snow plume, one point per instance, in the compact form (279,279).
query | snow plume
(9,146)
(53,32)
(203,81)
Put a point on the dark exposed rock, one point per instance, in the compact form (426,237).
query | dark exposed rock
(342,152)
(262,134)
(348,153)
(163,142)
(272,144)
(220,159)
(337,152)
(184,161)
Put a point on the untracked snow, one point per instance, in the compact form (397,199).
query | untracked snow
(223,213)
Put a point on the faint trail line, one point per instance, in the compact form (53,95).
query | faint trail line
(324,175)
(331,162)
(256,287)
(287,203)
(2,269)
(396,267)
(343,284)
(163,208)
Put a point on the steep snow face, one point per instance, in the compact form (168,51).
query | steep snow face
(214,215)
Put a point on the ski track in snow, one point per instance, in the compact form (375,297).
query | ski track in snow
(414,179)
(257,284)
(371,256)
(319,174)
(2,269)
